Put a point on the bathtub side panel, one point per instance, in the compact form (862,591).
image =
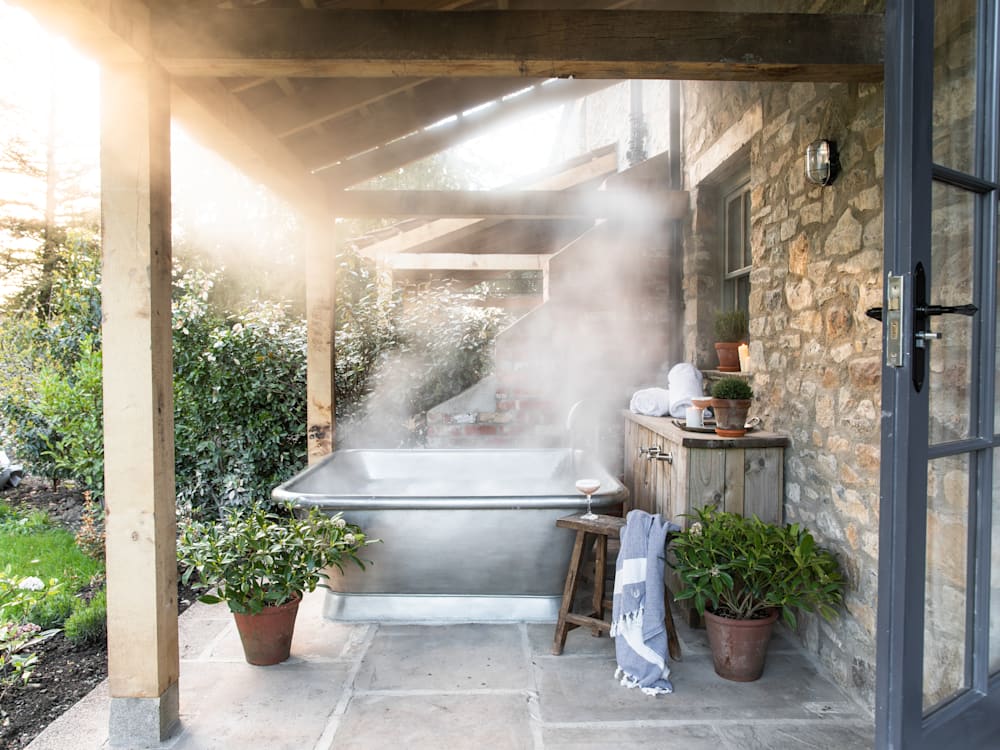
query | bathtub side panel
(484,552)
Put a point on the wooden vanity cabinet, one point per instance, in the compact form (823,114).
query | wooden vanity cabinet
(670,470)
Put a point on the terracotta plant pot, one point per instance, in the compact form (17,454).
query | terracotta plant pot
(739,646)
(730,416)
(729,356)
(267,636)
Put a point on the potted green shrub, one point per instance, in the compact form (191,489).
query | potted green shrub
(740,573)
(260,560)
(730,332)
(731,399)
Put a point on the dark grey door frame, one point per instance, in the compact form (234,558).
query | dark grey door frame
(973,719)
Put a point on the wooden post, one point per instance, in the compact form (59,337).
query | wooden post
(320,357)
(143,662)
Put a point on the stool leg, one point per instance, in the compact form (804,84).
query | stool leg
(601,557)
(673,643)
(569,593)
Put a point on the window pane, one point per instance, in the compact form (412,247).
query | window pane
(951,277)
(734,234)
(945,582)
(955,84)
(747,255)
(996,356)
(743,293)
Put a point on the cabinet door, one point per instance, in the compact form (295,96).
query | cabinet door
(641,473)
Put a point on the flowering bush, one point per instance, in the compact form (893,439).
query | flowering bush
(18,596)
(257,557)
(740,568)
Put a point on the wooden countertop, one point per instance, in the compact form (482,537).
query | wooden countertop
(665,426)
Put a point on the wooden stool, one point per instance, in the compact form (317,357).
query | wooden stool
(599,529)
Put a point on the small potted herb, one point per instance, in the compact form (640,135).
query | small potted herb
(730,331)
(731,399)
(260,560)
(740,573)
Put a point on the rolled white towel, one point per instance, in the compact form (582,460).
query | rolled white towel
(653,402)
(685,383)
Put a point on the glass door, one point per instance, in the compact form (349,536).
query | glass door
(939,571)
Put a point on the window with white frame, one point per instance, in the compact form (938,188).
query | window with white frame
(736,255)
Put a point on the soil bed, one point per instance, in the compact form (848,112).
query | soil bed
(65,672)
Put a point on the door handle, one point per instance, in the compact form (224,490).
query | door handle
(922,313)
(968,310)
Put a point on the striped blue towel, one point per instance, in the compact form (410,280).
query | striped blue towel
(638,607)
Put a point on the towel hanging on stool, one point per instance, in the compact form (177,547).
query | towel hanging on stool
(639,608)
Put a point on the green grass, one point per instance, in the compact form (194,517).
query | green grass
(89,624)
(38,549)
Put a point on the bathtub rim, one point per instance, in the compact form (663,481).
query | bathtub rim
(615,493)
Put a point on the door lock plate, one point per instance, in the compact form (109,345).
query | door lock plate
(894,322)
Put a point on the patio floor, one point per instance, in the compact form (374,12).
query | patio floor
(354,686)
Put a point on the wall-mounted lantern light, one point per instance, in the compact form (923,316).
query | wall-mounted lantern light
(822,163)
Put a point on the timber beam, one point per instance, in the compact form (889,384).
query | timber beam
(468,262)
(616,44)
(512,204)
(600,166)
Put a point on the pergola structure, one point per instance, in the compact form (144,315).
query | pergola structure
(312,97)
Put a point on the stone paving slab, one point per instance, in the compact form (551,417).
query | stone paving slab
(433,722)
(444,658)
(597,737)
(816,735)
(226,705)
(584,689)
(761,735)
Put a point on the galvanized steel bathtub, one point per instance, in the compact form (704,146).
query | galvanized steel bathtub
(466,535)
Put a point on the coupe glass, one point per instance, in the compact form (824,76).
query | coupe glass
(588,487)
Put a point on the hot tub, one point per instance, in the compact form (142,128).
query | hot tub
(467,535)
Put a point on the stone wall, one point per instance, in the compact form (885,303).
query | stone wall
(815,357)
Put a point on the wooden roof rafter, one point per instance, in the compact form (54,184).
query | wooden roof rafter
(318,101)
(513,204)
(469,262)
(601,164)
(397,116)
(426,142)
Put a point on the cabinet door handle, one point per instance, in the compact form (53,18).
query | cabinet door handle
(656,453)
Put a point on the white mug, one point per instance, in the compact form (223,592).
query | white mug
(692,416)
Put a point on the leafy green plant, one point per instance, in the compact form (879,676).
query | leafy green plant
(255,557)
(89,623)
(731,326)
(740,568)
(731,388)
(15,523)
(71,402)
(239,396)
(19,595)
